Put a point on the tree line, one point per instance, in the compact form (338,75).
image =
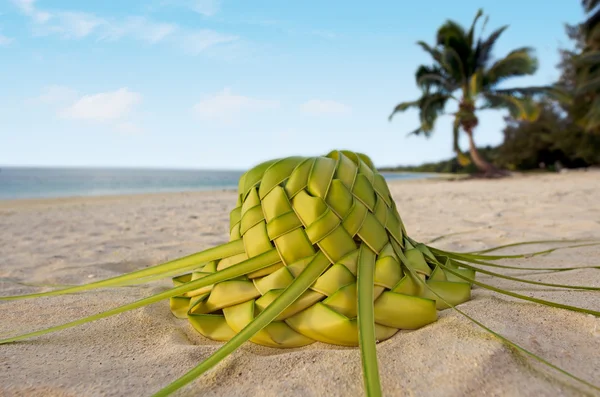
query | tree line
(549,127)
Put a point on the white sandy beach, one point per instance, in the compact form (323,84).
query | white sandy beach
(74,241)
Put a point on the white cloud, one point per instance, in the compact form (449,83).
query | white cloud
(206,7)
(128,128)
(5,41)
(111,108)
(69,24)
(155,32)
(138,27)
(196,42)
(322,106)
(79,25)
(73,24)
(28,8)
(226,106)
(57,94)
(103,106)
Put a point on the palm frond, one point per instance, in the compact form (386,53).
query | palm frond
(522,108)
(440,58)
(591,29)
(485,22)
(417,131)
(430,107)
(555,91)
(591,119)
(454,64)
(590,84)
(435,53)
(455,41)
(401,107)
(450,34)
(483,51)
(519,62)
(588,59)
(471,34)
(433,77)
(589,5)
(476,83)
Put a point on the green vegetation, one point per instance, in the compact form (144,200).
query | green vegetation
(552,141)
(586,96)
(447,166)
(560,128)
(567,133)
(463,71)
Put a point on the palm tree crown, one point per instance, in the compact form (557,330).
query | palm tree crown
(464,71)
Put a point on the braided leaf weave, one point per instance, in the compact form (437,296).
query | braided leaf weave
(336,210)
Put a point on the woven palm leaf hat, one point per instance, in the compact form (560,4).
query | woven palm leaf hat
(336,213)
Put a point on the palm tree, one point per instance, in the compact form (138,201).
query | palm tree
(463,71)
(592,25)
(587,93)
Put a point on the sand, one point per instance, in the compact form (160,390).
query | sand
(73,241)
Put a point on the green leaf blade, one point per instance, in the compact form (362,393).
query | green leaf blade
(267,259)
(181,264)
(304,280)
(366,322)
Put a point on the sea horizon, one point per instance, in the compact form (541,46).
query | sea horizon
(36,182)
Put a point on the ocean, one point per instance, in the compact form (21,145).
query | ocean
(22,182)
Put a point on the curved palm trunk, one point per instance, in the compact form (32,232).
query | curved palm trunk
(482,164)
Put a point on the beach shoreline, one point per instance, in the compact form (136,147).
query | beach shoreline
(50,182)
(81,239)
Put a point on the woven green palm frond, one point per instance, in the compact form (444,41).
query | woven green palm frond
(336,210)
(317,252)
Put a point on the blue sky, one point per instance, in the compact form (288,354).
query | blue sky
(226,84)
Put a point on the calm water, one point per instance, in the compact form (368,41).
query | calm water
(18,183)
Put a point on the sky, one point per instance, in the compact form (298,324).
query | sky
(224,84)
